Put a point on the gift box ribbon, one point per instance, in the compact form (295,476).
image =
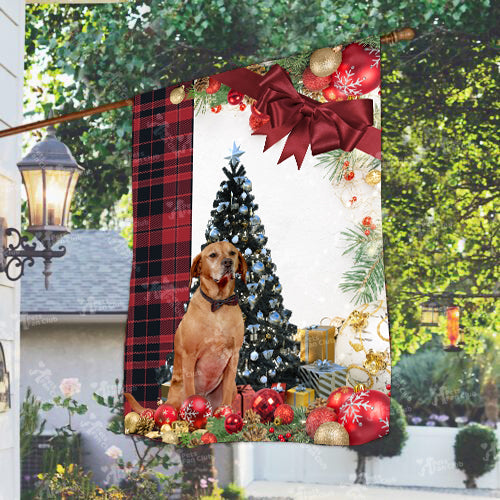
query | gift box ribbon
(324,365)
(323,126)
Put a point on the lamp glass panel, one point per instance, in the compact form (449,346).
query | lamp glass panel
(34,191)
(71,191)
(55,194)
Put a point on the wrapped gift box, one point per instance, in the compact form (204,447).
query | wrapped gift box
(299,396)
(323,376)
(279,387)
(317,342)
(243,399)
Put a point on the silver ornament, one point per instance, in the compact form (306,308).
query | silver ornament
(247,185)
(277,288)
(268,354)
(246,373)
(252,300)
(227,223)
(243,210)
(274,318)
(272,373)
(214,233)
(235,239)
(263,379)
(248,252)
(258,267)
(260,316)
(254,355)
(255,220)
(252,286)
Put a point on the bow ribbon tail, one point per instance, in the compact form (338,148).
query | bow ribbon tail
(297,142)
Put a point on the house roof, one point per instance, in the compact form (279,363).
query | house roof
(92,278)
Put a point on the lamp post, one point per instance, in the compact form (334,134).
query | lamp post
(50,173)
(429,315)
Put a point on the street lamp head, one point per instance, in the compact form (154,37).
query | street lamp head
(50,173)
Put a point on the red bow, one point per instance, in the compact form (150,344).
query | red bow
(324,126)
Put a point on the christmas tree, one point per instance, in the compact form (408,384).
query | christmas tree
(269,353)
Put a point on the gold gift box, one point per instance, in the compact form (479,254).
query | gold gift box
(317,342)
(299,396)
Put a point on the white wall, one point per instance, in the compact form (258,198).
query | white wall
(11,88)
(427,460)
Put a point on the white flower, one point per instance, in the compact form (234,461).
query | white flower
(70,386)
(114,452)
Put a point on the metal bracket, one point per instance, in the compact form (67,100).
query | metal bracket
(23,253)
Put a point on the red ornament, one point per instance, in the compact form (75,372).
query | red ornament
(359,72)
(388,387)
(208,438)
(233,423)
(281,437)
(195,410)
(367,232)
(265,402)
(349,176)
(165,414)
(332,93)
(313,82)
(148,413)
(213,86)
(285,412)
(234,97)
(216,109)
(317,417)
(367,221)
(365,416)
(389,394)
(222,411)
(288,435)
(338,397)
(257,121)
(243,106)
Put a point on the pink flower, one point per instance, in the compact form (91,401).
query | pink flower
(203,483)
(114,452)
(70,386)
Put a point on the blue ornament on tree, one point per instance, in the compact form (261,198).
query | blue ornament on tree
(214,233)
(243,210)
(248,252)
(260,316)
(258,267)
(274,318)
(235,239)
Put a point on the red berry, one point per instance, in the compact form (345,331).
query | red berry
(243,106)
(354,198)
(271,429)
(216,109)
(281,436)
(346,163)
(389,393)
(367,221)
(367,232)
(213,86)
(349,176)
(388,387)
(373,226)
(288,435)
(234,97)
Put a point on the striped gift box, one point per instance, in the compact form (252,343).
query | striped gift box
(323,376)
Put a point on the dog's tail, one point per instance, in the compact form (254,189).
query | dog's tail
(134,404)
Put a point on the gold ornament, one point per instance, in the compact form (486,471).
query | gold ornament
(255,432)
(165,428)
(325,61)
(153,435)
(268,336)
(177,95)
(375,362)
(201,84)
(180,427)
(144,425)
(131,420)
(331,433)
(359,388)
(199,432)
(358,320)
(317,403)
(277,421)
(170,437)
(249,100)
(373,177)
(251,417)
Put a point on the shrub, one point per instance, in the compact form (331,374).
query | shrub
(476,452)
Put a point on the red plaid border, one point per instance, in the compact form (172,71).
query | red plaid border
(162,172)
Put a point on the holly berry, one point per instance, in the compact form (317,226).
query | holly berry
(389,393)
(354,198)
(280,437)
(388,387)
(213,86)
(271,430)
(288,435)
(367,232)
(243,106)
(349,176)
(367,221)
(216,109)
(346,163)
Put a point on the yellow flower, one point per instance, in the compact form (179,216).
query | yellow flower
(60,469)
(70,468)
(40,476)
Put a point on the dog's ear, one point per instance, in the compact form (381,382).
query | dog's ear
(195,268)
(242,267)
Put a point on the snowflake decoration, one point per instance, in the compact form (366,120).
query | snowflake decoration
(346,83)
(190,414)
(353,406)
(375,53)
(384,429)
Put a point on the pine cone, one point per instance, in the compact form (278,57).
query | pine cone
(201,84)
(255,432)
(257,68)
(195,442)
(144,425)
(318,402)
(317,96)
(251,417)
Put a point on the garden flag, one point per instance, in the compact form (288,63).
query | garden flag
(257,297)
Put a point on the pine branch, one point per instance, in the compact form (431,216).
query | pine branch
(371,41)
(204,102)
(295,65)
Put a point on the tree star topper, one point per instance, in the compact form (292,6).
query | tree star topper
(234,154)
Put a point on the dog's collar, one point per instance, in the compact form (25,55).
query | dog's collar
(217,304)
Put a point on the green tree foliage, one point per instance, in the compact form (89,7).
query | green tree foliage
(476,452)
